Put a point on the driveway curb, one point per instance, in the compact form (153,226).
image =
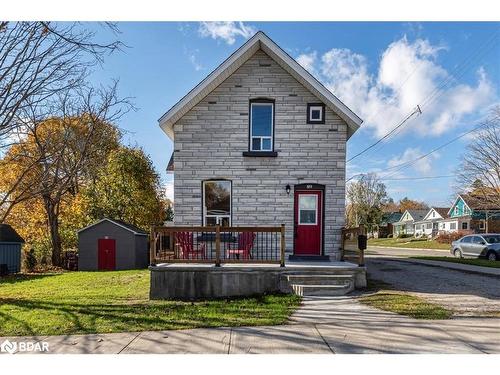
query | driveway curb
(407,248)
(454,266)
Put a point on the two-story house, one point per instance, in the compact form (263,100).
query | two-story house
(261,142)
(472,213)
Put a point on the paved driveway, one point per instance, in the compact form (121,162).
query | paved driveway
(321,325)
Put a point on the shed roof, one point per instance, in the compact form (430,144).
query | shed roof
(8,234)
(130,227)
(238,58)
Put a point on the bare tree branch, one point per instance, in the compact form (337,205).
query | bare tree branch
(479,171)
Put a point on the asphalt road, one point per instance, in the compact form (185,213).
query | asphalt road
(468,294)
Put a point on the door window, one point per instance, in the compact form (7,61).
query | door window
(477,240)
(308,209)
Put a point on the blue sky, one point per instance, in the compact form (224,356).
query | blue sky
(380,70)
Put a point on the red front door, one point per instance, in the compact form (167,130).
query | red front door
(308,222)
(106,254)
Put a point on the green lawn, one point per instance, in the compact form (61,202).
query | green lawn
(384,297)
(473,262)
(406,304)
(406,243)
(98,302)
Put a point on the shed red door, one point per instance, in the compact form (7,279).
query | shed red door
(308,222)
(106,254)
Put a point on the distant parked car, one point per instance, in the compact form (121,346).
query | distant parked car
(477,245)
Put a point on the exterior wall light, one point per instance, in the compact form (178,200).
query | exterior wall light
(288,188)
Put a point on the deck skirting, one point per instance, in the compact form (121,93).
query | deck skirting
(205,281)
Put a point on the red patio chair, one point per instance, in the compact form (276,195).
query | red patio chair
(187,248)
(245,244)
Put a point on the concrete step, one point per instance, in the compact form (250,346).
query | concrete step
(320,279)
(322,290)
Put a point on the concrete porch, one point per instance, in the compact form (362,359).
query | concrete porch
(191,281)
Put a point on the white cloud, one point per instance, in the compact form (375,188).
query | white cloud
(228,31)
(194,60)
(422,166)
(307,60)
(407,75)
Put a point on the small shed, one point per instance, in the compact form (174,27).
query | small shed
(10,249)
(111,244)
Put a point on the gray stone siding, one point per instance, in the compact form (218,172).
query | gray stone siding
(210,139)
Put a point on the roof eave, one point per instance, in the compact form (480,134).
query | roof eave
(259,41)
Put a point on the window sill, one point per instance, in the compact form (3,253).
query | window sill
(265,154)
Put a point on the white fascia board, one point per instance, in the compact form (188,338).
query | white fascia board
(233,62)
(113,222)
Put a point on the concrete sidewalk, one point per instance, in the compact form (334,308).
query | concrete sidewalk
(321,325)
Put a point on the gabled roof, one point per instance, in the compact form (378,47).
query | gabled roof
(391,217)
(132,228)
(455,203)
(8,234)
(479,202)
(238,58)
(441,211)
(416,215)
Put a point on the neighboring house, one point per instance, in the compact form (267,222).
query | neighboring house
(429,225)
(110,244)
(261,142)
(407,223)
(472,213)
(386,226)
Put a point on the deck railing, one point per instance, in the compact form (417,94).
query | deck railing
(216,244)
(351,249)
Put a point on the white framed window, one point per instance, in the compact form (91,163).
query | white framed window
(315,113)
(482,225)
(465,225)
(308,209)
(453,226)
(217,202)
(261,125)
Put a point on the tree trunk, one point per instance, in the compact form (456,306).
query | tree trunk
(55,238)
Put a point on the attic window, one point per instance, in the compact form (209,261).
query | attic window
(315,113)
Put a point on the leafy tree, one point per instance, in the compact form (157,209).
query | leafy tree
(410,204)
(169,213)
(365,197)
(48,166)
(127,188)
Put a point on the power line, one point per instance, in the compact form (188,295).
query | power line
(434,94)
(409,163)
(412,162)
(416,110)
(416,178)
